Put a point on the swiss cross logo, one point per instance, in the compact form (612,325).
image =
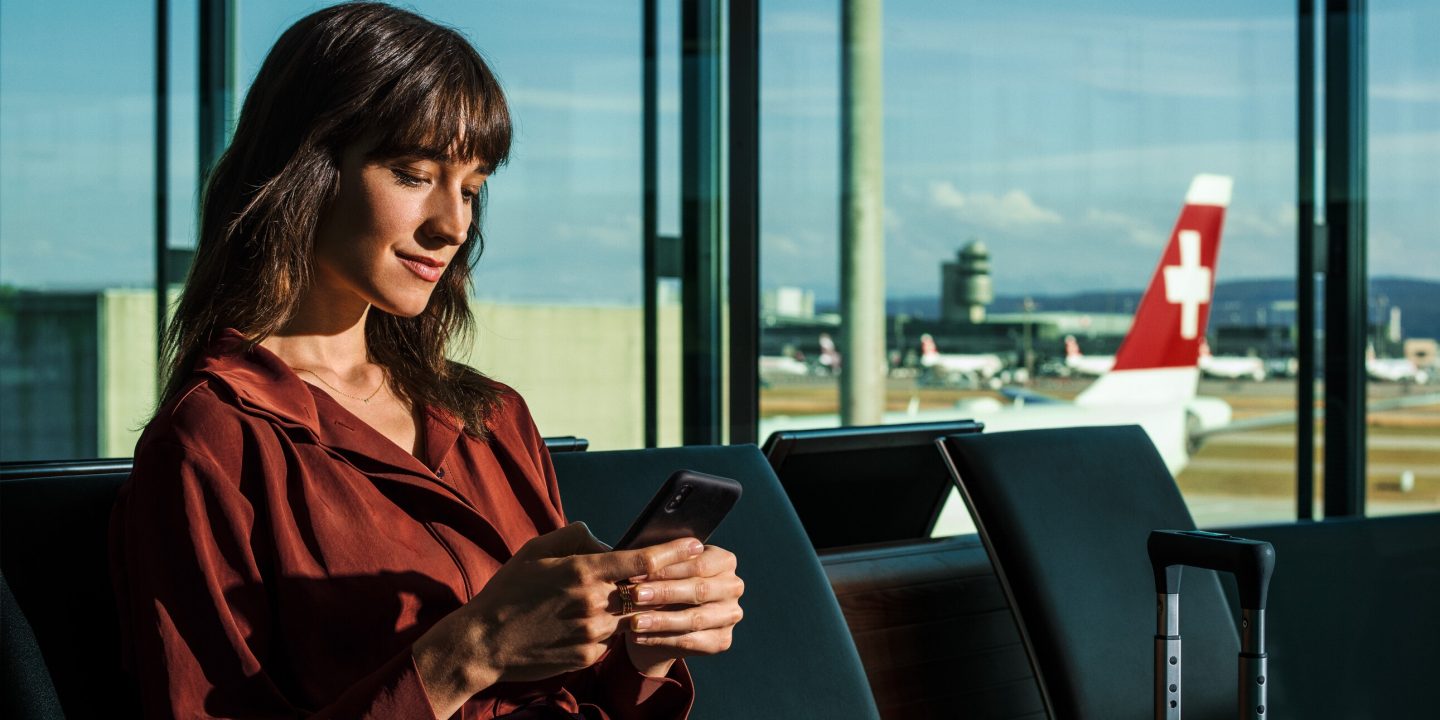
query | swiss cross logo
(1188,284)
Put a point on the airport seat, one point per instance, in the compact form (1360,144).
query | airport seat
(792,657)
(861,485)
(55,529)
(1065,515)
(26,692)
(55,518)
(934,630)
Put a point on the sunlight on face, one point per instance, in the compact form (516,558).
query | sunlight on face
(392,230)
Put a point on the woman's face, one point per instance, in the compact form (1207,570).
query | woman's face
(393,228)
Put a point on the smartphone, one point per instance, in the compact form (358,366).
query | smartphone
(689,504)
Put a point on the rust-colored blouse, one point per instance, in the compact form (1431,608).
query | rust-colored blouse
(274,556)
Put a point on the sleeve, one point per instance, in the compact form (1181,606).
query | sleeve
(195,619)
(613,686)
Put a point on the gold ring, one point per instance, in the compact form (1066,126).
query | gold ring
(627,599)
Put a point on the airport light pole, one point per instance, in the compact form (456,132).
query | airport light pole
(862,214)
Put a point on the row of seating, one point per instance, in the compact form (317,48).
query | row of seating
(793,655)
(909,628)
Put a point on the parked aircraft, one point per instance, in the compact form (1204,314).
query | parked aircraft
(1230,367)
(772,366)
(1153,377)
(830,363)
(1393,369)
(957,367)
(1081,364)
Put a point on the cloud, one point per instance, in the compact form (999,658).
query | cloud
(781,244)
(1134,230)
(1013,210)
(894,223)
(1278,223)
(580,101)
(1407,91)
(801,23)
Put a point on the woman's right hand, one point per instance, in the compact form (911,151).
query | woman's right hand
(550,609)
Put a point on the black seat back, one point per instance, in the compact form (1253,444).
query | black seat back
(1065,515)
(792,657)
(27,693)
(54,535)
(53,540)
(865,484)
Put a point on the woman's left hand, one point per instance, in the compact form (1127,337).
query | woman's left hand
(687,608)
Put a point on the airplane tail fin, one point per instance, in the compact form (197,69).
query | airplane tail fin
(1158,359)
(829,354)
(927,346)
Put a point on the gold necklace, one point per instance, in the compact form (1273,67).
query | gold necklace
(366,400)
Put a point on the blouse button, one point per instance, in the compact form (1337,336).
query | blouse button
(440,473)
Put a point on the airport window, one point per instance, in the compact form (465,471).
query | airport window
(558,291)
(1403,419)
(1031,165)
(77,227)
(557,296)
(1035,161)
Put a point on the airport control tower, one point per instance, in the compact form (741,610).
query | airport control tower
(965,287)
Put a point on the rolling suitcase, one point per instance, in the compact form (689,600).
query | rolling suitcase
(1251,562)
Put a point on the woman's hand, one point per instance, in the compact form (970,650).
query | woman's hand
(689,607)
(550,609)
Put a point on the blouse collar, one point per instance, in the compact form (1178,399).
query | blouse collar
(261,381)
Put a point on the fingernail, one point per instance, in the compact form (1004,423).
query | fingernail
(695,548)
(642,622)
(644,594)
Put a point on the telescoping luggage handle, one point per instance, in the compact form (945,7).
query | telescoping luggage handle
(1251,562)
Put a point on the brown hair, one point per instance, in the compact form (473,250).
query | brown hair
(346,75)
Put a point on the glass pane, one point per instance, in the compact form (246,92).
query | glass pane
(1403,428)
(1036,160)
(77,228)
(558,292)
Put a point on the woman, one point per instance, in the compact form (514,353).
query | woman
(326,516)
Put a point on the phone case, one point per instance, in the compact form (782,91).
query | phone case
(689,504)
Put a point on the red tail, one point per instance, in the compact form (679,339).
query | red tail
(1170,323)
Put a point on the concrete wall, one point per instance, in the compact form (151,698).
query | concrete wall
(126,365)
(580,368)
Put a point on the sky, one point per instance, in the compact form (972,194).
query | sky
(1063,135)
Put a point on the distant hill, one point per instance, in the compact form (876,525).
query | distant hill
(1237,302)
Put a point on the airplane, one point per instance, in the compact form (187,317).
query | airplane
(1088,365)
(829,355)
(1393,369)
(783,365)
(1152,379)
(1230,367)
(952,367)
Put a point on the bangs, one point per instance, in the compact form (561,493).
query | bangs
(446,105)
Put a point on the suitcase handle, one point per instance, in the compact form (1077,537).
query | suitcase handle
(1251,562)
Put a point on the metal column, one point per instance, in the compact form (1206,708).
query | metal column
(162,176)
(649,214)
(700,208)
(862,214)
(744,227)
(1346,302)
(217,80)
(1305,268)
